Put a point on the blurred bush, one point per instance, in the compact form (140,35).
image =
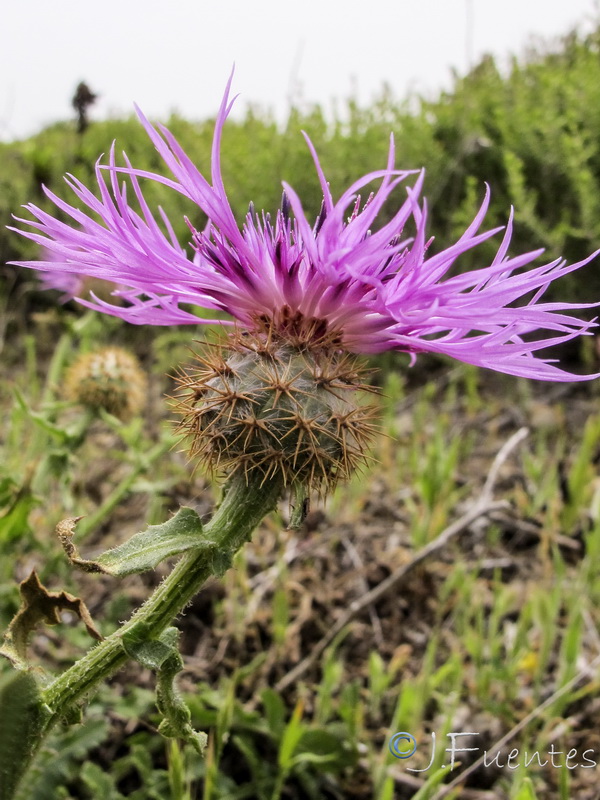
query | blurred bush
(532,133)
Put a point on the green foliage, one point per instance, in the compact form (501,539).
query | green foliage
(59,761)
(16,502)
(145,550)
(67,766)
(22,715)
(531,132)
(301,753)
(162,656)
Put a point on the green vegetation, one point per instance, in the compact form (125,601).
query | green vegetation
(495,632)
(532,134)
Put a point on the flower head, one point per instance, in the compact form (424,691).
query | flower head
(110,379)
(370,289)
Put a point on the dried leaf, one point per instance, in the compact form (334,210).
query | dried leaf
(40,605)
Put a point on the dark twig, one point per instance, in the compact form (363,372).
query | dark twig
(589,672)
(482,507)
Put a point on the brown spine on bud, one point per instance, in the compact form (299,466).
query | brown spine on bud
(261,402)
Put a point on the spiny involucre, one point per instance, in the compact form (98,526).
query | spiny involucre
(267,403)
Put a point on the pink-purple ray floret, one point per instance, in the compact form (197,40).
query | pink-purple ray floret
(69,283)
(378,288)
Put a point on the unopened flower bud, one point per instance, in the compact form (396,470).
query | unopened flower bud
(287,409)
(110,379)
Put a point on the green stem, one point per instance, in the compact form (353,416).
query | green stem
(246,501)
(243,507)
(57,365)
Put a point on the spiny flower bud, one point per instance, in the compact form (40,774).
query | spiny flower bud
(109,379)
(283,407)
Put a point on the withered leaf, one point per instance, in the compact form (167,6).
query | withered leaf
(40,605)
(65,531)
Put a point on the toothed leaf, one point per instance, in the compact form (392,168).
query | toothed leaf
(161,656)
(145,550)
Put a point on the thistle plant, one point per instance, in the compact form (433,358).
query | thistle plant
(281,402)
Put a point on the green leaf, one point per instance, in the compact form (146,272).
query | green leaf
(98,782)
(274,711)
(300,506)
(161,656)
(330,749)
(8,488)
(291,736)
(526,791)
(145,550)
(41,419)
(59,762)
(14,523)
(22,716)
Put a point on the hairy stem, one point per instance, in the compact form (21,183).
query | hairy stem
(246,501)
(243,507)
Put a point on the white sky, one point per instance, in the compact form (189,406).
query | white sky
(176,56)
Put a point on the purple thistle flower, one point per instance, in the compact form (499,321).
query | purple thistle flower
(376,289)
(72,284)
(69,283)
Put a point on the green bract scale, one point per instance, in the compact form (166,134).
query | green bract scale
(262,402)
